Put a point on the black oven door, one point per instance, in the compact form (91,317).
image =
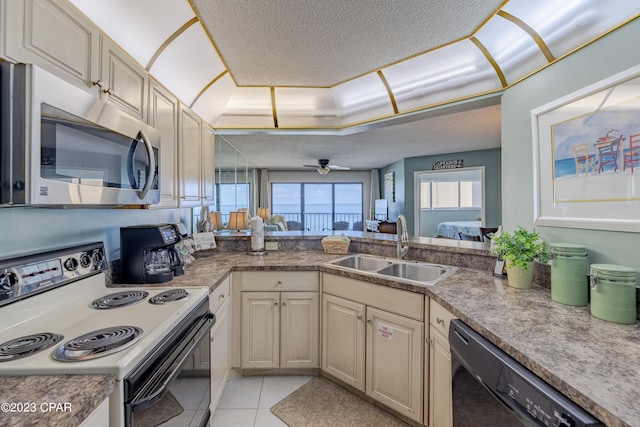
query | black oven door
(173,385)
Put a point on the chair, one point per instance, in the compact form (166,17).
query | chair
(486,232)
(632,157)
(341,225)
(470,237)
(608,154)
(357,226)
(583,160)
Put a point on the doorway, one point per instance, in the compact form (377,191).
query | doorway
(446,199)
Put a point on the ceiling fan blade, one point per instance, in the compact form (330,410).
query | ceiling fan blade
(338,168)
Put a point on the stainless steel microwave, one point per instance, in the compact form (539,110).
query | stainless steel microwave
(62,146)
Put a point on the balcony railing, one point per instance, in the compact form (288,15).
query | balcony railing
(323,221)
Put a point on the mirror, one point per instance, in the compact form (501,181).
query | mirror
(236,179)
(448,202)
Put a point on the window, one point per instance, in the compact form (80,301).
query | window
(465,194)
(325,206)
(232,197)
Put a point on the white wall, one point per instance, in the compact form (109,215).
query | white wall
(607,56)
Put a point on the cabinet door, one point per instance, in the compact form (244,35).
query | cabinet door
(260,329)
(440,403)
(208,165)
(189,143)
(395,362)
(299,330)
(219,354)
(122,80)
(343,337)
(54,36)
(163,115)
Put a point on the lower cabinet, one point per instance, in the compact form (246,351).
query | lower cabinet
(220,335)
(440,390)
(280,329)
(367,344)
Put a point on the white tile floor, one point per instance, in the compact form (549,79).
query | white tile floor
(245,402)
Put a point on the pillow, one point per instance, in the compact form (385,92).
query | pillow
(277,220)
(268,227)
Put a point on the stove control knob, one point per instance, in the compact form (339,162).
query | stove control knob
(71,264)
(98,257)
(85,260)
(8,280)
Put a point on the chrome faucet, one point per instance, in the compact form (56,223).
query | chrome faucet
(403,237)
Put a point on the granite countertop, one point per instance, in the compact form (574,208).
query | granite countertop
(60,400)
(593,362)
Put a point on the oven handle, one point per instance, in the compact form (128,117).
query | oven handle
(155,395)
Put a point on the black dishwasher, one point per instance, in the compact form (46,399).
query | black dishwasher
(492,389)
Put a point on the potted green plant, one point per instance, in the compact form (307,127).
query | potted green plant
(520,249)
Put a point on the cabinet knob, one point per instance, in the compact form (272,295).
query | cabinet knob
(98,83)
(359,316)
(275,303)
(279,282)
(369,321)
(108,91)
(440,321)
(220,297)
(284,303)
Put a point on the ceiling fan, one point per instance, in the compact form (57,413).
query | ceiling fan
(324,167)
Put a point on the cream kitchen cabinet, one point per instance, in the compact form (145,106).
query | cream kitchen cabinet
(190,165)
(52,35)
(280,329)
(372,339)
(163,115)
(275,319)
(122,82)
(440,397)
(208,165)
(220,340)
(196,154)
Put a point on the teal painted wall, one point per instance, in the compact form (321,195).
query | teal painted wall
(26,230)
(490,159)
(610,55)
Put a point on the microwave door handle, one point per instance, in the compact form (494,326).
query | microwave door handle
(152,165)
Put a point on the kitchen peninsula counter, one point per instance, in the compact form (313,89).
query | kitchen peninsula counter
(52,400)
(593,362)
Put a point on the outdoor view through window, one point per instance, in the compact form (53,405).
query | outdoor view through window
(326,206)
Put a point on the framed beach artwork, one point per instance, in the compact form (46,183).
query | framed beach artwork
(586,149)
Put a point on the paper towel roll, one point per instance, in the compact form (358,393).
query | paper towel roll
(257,234)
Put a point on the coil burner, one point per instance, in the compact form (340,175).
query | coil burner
(171,295)
(119,299)
(27,345)
(100,343)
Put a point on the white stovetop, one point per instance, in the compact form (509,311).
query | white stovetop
(67,311)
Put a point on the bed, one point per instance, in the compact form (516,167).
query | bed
(451,229)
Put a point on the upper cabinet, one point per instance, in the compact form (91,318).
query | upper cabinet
(52,35)
(163,115)
(122,82)
(208,165)
(196,165)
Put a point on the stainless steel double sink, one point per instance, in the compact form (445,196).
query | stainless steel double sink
(415,272)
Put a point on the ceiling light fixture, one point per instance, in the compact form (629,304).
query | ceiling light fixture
(323,171)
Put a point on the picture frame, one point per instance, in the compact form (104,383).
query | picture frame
(390,186)
(586,169)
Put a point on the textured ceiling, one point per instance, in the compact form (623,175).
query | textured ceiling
(322,43)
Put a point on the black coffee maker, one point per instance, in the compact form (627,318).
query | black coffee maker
(147,254)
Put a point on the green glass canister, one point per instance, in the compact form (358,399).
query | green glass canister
(569,270)
(613,293)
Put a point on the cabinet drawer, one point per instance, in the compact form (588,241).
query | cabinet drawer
(440,318)
(397,301)
(279,281)
(219,295)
